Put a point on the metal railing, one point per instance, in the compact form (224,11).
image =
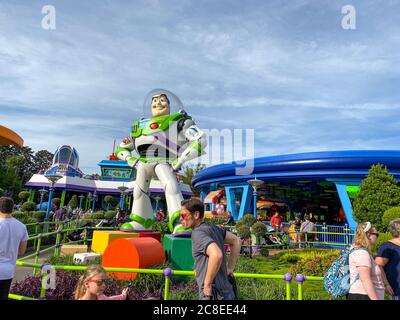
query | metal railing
(168,273)
(324,236)
(70,226)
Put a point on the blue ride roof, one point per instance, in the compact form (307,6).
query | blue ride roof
(352,164)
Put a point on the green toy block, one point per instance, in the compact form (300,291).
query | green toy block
(179,252)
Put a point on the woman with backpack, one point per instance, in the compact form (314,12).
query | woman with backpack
(365,275)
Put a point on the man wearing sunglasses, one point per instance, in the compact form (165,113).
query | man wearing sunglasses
(213,275)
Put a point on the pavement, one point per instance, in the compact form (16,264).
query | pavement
(22,272)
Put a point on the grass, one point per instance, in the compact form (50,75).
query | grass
(312,290)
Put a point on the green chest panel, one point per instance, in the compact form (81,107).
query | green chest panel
(149,126)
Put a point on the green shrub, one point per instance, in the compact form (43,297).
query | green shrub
(39,215)
(313,266)
(185,293)
(243,231)
(161,227)
(248,219)
(23,195)
(18,214)
(108,200)
(28,206)
(110,214)
(290,258)
(389,215)
(259,228)
(99,215)
(150,282)
(73,203)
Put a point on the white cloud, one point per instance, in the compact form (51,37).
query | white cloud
(286,69)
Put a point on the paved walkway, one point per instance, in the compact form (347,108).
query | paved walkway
(22,272)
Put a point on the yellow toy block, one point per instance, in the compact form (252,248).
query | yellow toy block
(70,249)
(102,238)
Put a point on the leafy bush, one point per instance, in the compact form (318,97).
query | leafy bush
(161,227)
(23,195)
(243,231)
(28,206)
(99,215)
(108,200)
(184,292)
(389,215)
(290,258)
(110,214)
(248,219)
(39,215)
(313,266)
(259,228)
(19,215)
(73,203)
(378,192)
(66,283)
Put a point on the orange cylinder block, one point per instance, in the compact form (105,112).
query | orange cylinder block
(141,253)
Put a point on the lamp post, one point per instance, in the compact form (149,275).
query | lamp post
(157,198)
(90,197)
(94,202)
(81,197)
(255,183)
(122,189)
(52,180)
(42,193)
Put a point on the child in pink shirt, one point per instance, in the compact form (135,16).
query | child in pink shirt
(92,283)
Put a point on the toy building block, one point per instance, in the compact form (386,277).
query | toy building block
(102,238)
(70,249)
(139,253)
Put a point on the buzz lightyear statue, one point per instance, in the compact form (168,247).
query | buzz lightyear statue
(163,143)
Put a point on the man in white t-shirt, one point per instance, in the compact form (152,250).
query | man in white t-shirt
(13,240)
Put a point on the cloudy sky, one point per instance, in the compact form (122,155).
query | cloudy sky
(287,69)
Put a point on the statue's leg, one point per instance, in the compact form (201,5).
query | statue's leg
(173,196)
(142,211)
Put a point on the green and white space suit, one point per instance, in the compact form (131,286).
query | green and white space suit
(163,144)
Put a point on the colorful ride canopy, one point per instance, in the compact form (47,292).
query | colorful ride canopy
(9,137)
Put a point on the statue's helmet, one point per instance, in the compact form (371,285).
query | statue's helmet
(160,102)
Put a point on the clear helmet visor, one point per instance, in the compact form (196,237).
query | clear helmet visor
(159,102)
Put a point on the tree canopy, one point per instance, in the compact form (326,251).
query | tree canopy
(378,192)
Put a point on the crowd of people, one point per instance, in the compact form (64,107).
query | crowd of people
(370,277)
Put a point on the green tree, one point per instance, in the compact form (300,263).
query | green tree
(73,203)
(32,162)
(189,171)
(378,192)
(10,180)
(42,160)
